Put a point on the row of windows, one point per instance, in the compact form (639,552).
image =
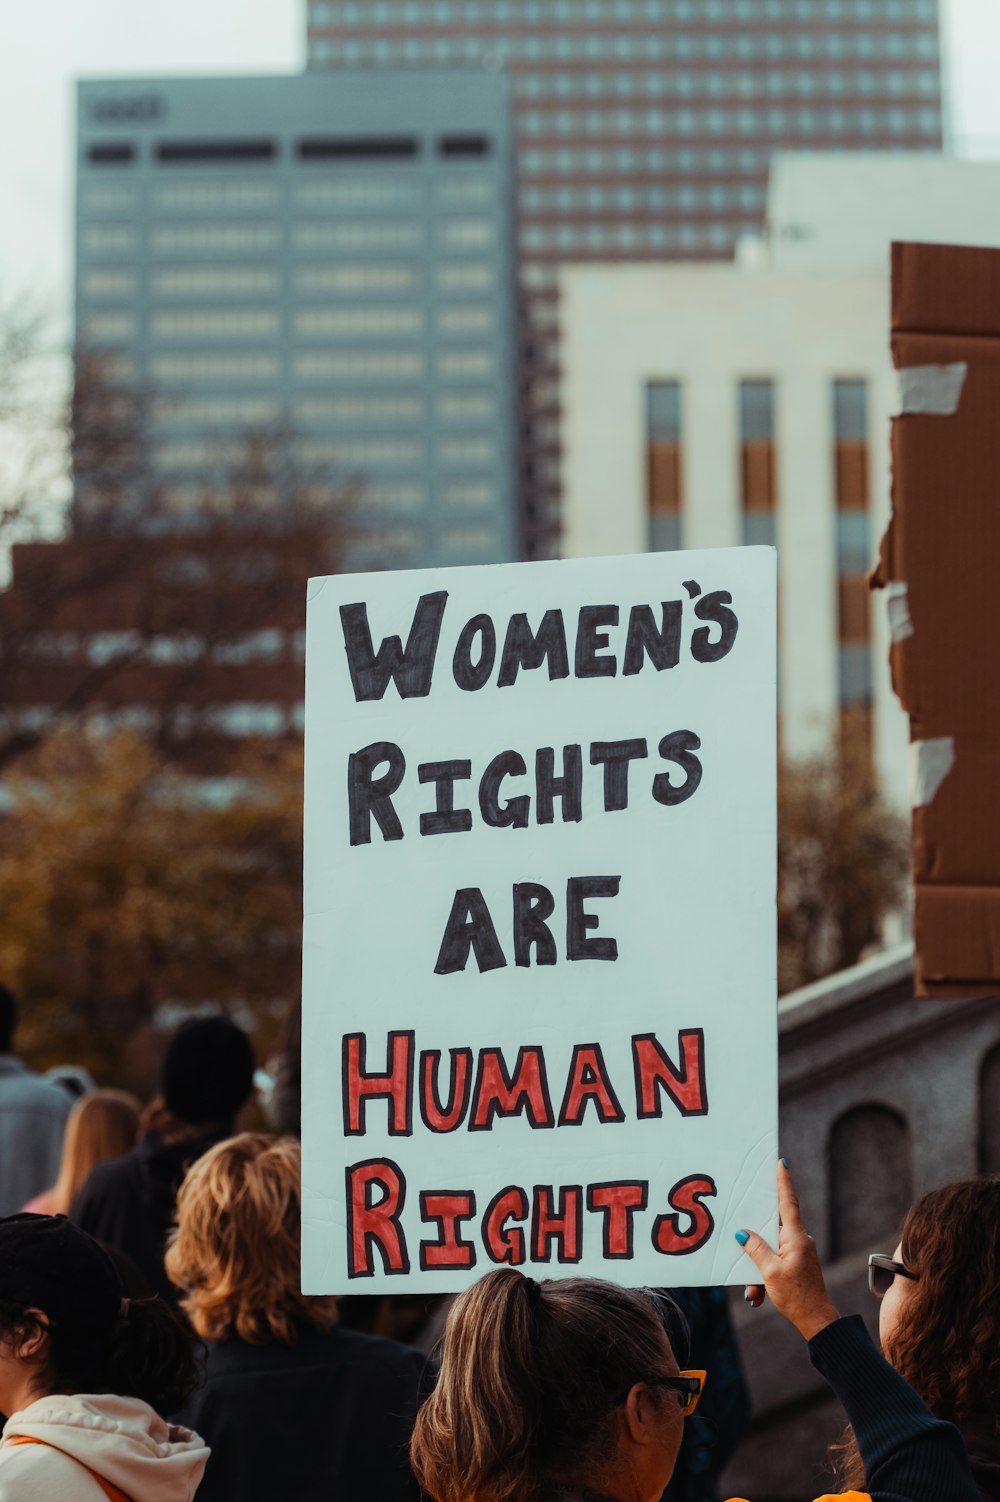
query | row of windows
(568,160)
(265,236)
(357,365)
(536,238)
(502,12)
(351,190)
(311,149)
(629,85)
(647,199)
(255,281)
(216,454)
(803,48)
(359,410)
(755,398)
(742,120)
(384,321)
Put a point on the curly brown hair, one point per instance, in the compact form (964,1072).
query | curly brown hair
(235,1253)
(947,1341)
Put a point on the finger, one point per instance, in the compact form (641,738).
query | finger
(754,1294)
(788,1202)
(764,1257)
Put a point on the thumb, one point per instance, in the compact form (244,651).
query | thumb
(764,1257)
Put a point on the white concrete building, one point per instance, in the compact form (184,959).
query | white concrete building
(706,406)
(840,211)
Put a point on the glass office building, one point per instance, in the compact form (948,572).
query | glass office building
(645,128)
(332,255)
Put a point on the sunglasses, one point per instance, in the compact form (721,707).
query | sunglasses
(688,1386)
(882,1270)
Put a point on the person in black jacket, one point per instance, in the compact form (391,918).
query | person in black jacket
(568,1390)
(129,1202)
(292,1405)
(939,1319)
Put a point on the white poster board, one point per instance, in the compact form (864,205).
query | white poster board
(539,951)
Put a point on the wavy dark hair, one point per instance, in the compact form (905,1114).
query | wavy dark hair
(947,1341)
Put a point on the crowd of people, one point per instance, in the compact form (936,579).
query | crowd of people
(155,1345)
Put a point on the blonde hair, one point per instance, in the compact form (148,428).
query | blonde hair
(103,1124)
(235,1252)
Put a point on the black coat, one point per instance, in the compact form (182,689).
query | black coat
(328,1418)
(129,1202)
(982,1445)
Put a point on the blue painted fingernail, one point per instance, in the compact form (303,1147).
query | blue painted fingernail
(784,1162)
(742,1237)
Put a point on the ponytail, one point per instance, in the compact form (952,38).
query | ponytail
(149,1355)
(530,1377)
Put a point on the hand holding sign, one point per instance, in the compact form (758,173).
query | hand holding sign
(792,1274)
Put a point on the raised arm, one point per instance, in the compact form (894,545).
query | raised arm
(908,1454)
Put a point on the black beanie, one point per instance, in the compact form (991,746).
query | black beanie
(48,1263)
(208,1070)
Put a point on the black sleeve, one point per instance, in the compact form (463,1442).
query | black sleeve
(909,1455)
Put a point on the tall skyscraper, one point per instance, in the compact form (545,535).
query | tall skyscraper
(645,128)
(333,254)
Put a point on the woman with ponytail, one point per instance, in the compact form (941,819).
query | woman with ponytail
(86,1376)
(568,1391)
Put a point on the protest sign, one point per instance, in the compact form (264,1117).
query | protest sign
(539,986)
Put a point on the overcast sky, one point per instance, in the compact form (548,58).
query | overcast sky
(46,44)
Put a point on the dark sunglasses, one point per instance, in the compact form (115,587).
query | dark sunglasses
(688,1386)
(882,1270)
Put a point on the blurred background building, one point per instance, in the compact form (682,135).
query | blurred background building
(645,131)
(708,406)
(329,257)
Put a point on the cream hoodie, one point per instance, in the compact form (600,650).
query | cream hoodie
(121,1439)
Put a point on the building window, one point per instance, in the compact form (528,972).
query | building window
(363,411)
(462,364)
(465,190)
(371,234)
(193,152)
(109,328)
(357,148)
(215,236)
(108,239)
(383,322)
(352,192)
(870,1178)
(219,369)
(212,323)
(465,276)
(469,495)
(108,283)
(852,463)
(464,234)
(663,464)
(109,198)
(360,365)
(989,1113)
(758,488)
(379,453)
(376,276)
(468,453)
(182,196)
(111,154)
(462,318)
(214,281)
(465,407)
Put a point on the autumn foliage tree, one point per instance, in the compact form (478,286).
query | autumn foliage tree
(843,861)
(126,885)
